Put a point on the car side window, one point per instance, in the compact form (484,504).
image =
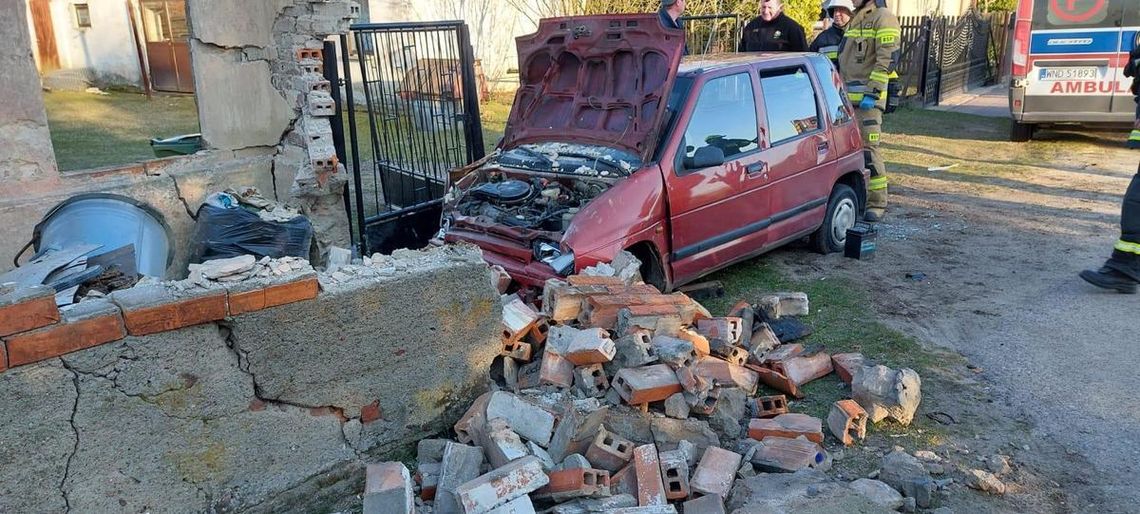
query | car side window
(789,99)
(836,111)
(724,117)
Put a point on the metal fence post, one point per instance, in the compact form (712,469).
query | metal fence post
(337,122)
(356,185)
(472,121)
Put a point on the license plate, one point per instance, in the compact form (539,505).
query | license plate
(1072,73)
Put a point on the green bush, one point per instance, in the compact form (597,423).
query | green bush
(805,12)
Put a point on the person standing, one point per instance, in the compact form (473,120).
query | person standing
(827,42)
(868,56)
(1132,69)
(772,31)
(670,13)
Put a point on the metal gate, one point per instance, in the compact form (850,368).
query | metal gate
(946,55)
(412,116)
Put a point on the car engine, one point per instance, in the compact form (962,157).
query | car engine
(536,204)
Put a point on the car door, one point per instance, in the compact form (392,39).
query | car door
(800,157)
(718,212)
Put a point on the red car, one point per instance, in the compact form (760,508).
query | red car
(614,143)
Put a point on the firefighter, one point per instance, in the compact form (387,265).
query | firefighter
(1122,271)
(827,42)
(670,14)
(868,55)
(1132,69)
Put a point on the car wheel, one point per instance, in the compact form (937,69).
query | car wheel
(842,213)
(1021,132)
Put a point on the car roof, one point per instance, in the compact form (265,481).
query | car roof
(697,64)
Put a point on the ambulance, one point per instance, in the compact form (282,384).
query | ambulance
(1067,61)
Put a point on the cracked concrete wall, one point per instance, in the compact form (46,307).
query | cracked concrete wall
(260,414)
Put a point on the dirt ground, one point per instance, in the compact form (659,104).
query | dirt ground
(981,259)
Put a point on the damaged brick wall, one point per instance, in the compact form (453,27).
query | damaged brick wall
(272,410)
(260,80)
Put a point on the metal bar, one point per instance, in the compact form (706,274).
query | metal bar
(474,125)
(337,123)
(400,25)
(355,146)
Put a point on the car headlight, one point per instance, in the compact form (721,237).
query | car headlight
(549,253)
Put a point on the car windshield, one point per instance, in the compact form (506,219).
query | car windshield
(677,96)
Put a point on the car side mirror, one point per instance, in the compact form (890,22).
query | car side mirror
(707,157)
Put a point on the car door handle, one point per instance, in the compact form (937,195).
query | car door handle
(822,146)
(757,168)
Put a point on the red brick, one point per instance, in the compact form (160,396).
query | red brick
(574,483)
(647,468)
(469,427)
(704,505)
(609,451)
(726,328)
(805,368)
(591,346)
(675,474)
(776,380)
(555,370)
(775,359)
(787,425)
(29,309)
(370,412)
(3,357)
(518,319)
(847,421)
(590,280)
(846,364)
(716,472)
(700,343)
(273,296)
(150,310)
(783,455)
(646,384)
(726,374)
(60,339)
(770,406)
(624,481)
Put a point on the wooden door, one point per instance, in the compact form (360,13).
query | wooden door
(45,35)
(168,45)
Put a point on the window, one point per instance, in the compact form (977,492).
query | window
(1074,14)
(82,16)
(829,80)
(789,99)
(724,117)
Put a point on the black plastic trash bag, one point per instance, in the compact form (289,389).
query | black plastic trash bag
(222,233)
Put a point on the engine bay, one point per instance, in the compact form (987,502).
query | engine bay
(545,203)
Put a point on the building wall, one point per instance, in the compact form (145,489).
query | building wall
(106,49)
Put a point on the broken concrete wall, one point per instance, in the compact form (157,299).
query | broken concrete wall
(270,411)
(24,136)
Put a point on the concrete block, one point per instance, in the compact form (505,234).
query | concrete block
(884,392)
(595,505)
(461,464)
(733,354)
(703,404)
(520,505)
(847,421)
(716,472)
(567,484)
(710,504)
(388,489)
(769,406)
(532,422)
(675,352)
(659,319)
(500,486)
(591,346)
(723,373)
(575,461)
(677,407)
(501,444)
(27,308)
(879,493)
(692,383)
(784,455)
(729,329)
(672,434)
(647,469)
(320,103)
(575,431)
(591,380)
(646,384)
(675,474)
(544,456)
(700,343)
(784,304)
(790,425)
(427,475)
(237,103)
(847,364)
(805,368)
(609,451)
(650,509)
(152,309)
(84,325)
(763,340)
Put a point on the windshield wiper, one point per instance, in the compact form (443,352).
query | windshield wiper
(535,155)
(596,159)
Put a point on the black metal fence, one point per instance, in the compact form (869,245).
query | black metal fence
(947,55)
(712,33)
(420,119)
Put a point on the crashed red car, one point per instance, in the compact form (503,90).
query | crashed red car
(613,143)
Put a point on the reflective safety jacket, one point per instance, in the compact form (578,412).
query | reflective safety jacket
(827,43)
(870,51)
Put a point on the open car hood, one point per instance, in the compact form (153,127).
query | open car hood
(596,80)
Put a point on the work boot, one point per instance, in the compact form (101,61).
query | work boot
(1108,278)
(1134,144)
(874,215)
(1124,263)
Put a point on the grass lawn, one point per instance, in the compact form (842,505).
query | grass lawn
(90,131)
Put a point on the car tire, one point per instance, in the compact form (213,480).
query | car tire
(842,213)
(1021,132)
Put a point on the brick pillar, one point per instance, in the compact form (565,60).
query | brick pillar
(24,136)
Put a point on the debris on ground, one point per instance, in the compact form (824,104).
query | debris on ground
(609,395)
(984,481)
(219,272)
